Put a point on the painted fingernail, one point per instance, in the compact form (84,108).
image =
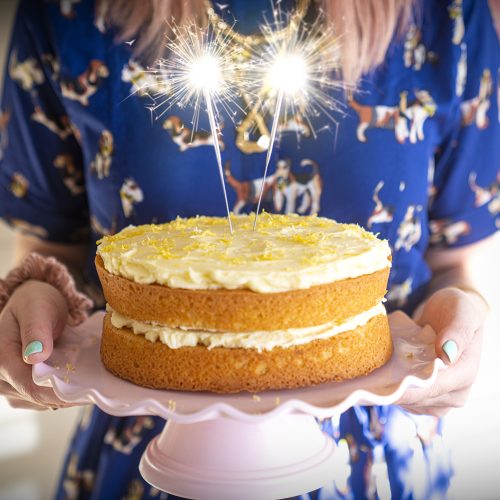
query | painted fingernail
(451,349)
(34,347)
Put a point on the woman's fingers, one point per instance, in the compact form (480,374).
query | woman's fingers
(41,313)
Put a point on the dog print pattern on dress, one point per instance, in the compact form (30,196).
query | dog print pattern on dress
(27,73)
(85,85)
(185,138)
(19,185)
(448,232)
(72,176)
(101,164)
(415,52)
(130,195)
(381,213)
(474,111)
(410,229)
(407,121)
(62,128)
(289,191)
(456,13)
(486,195)
(399,292)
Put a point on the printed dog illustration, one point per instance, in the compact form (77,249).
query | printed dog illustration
(455,11)
(143,82)
(247,192)
(27,73)
(63,129)
(101,164)
(445,231)
(410,229)
(19,185)
(290,186)
(130,195)
(72,176)
(380,214)
(486,195)
(399,293)
(475,110)
(396,118)
(185,138)
(85,85)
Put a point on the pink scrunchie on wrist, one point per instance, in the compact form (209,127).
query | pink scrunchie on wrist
(48,270)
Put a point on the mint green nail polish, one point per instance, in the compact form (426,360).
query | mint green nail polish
(451,349)
(34,347)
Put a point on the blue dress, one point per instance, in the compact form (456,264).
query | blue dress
(414,157)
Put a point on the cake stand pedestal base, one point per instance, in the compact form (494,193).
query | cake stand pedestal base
(224,458)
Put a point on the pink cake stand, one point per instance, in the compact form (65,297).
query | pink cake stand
(243,446)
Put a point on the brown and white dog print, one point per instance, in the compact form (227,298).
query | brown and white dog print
(185,138)
(444,231)
(130,195)
(456,14)
(415,52)
(62,128)
(291,186)
(101,164)
(143,82)
(410,229)
(399,292)
(72,176)
(19,185)
(247,192)
(85,85)
(284,188)
(486,195)
(407,121)
(130,436)
(475,110)
(27,73)
(381,213)
(28,228)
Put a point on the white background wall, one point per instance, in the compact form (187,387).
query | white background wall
(32,443)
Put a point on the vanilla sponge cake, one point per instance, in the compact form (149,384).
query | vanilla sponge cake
(192,307)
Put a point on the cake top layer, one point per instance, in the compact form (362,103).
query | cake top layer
(286,252)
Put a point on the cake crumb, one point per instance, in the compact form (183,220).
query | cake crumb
(172,405)
(277,401)
(256,398)
(409,355)
(69,367)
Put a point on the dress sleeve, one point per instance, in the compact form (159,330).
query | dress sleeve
(466,189)
(42,188)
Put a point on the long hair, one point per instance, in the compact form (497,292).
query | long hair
(366,27)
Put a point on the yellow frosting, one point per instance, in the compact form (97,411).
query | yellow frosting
(176,338)
(286,252)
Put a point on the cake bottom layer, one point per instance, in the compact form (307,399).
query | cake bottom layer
(153,364)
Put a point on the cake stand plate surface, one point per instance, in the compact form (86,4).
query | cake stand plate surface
(244,446)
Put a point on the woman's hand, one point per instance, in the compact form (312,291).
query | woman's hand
(33,317)
(458,318)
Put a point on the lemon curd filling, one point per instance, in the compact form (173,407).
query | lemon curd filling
(286,252)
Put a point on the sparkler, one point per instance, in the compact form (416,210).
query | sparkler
(299,70)
(202,66)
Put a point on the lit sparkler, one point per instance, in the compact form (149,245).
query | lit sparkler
(300,72)
(202,65)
